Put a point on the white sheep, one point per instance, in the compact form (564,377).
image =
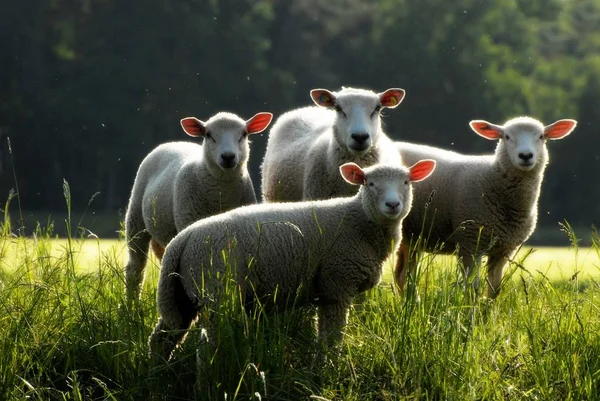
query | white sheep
(316,252)
(479,205)
(181,182)
(315,141)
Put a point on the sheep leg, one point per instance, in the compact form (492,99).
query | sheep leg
(406,264)
(470,269)
(177,315)
(166,337)
(158,249)
(401,267)
(138,244)
(496,264)
(331,319)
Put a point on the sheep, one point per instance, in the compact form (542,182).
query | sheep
(181,182)
(479,205)
(314,252)
(345,128)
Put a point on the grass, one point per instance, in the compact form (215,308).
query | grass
(68,333)
(555,263)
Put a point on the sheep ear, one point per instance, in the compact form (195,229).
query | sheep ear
(559,129)
(258,123)
(193,127)
(487,130)
(421,170)
(323,98)
(353,174)
(391,98)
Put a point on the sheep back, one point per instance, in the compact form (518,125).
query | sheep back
(290,139)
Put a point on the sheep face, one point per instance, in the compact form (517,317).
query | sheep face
(226,137)
(524,138)
(358,119)
(391,193)
(524,143)
(387,188)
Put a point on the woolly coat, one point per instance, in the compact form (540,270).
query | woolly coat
(303,156)
(467,193)
(320,252)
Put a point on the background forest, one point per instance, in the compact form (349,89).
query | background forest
(89,87)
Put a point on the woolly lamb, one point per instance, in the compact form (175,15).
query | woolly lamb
(317,140)
(181,182)
(480,205)
(315,252)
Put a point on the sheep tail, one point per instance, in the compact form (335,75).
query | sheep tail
(176,309)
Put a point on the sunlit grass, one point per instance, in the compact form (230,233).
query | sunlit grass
(556,263)
(68,333)
(88,253)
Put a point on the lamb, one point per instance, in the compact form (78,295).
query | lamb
(345,128)
(314,252)
(181,182)
(480,205)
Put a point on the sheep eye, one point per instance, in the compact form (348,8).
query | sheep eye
(339,109)
(507,138)
(371,184)
(405,182)
(244,135)
(541,137)
(208,135)
(377,109)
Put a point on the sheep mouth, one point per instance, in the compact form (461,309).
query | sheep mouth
(359,149)
(526,166)
(226,166)
(392,215)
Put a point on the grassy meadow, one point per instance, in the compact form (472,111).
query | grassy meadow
(68,333)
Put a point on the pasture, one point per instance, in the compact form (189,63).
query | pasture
(68,333)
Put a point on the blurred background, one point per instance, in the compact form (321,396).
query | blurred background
(89,87)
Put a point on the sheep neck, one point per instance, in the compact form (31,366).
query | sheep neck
(221,175)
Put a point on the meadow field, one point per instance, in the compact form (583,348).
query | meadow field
(67,332)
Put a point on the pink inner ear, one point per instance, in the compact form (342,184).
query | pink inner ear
(323,97)
(560,129)
(192,126)
(258,123)
(484,129)
(421,170)
(392,97)
(352,173)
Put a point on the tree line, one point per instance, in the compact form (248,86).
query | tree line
(89,87)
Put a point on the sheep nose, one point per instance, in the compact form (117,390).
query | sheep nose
(227,160)
(392,205)
(525,156)
(360,137)
(228,156)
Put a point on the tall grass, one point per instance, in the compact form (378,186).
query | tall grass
(70,334)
